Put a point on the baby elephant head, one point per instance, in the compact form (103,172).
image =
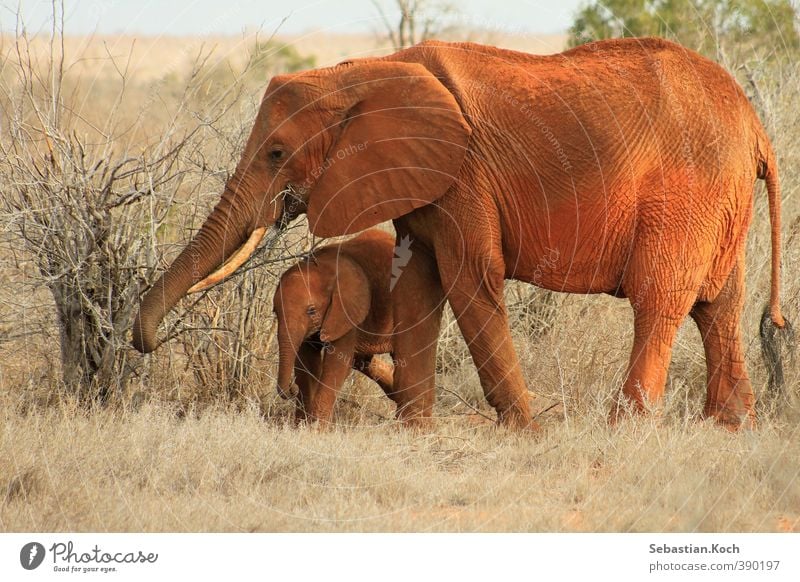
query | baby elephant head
(329,296)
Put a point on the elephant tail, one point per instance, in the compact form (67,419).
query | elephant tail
(775,330)
(768,171)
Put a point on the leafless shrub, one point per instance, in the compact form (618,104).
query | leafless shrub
(97,206)
(82,212)
(531,310)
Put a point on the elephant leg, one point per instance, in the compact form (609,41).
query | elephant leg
(413,388)
(306,373)
(730,397)
(377,370)
(337,362)
(417,304)
(661,300)
(475,293)
(644,385)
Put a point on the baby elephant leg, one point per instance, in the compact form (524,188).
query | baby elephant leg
(377,370)
(306,373)
(337,361)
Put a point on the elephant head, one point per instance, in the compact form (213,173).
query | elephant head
(330,296)
(353,145)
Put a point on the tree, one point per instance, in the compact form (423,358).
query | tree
(708,26)
(418,20)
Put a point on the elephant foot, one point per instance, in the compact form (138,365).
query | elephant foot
(415,417)
(517,418)
(732,420)
(632,406)
(414,410)
(420,424)
(620,411)
(309,419)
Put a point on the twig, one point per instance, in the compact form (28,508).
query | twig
(467,404)
(551,407)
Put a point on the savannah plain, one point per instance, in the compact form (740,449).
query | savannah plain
(194,437)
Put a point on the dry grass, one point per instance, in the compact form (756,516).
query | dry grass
(181,450)
(232,471)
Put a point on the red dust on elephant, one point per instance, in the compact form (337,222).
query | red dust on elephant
(624,167)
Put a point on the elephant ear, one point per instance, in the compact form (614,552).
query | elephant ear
(350,301)
(400,146)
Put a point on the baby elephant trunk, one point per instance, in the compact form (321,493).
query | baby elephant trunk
(287,352)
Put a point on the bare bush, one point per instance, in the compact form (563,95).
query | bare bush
(82,212)
(96,202)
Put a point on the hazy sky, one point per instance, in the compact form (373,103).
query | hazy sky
(208,17)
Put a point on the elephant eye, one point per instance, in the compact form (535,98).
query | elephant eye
(276,154)
(311,310)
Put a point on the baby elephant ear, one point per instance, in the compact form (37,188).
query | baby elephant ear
(350,301)
(402,143)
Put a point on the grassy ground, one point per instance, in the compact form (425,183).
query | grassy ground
(224,471)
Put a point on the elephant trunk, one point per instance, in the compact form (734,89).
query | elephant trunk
(225,230)
(288,347)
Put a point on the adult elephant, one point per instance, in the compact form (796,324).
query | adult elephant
(624,167)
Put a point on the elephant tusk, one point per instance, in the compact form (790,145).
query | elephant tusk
(233,263)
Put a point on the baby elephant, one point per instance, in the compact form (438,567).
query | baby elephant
(335,313)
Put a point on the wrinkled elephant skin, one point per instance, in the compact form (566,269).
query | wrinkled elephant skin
(623,166)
